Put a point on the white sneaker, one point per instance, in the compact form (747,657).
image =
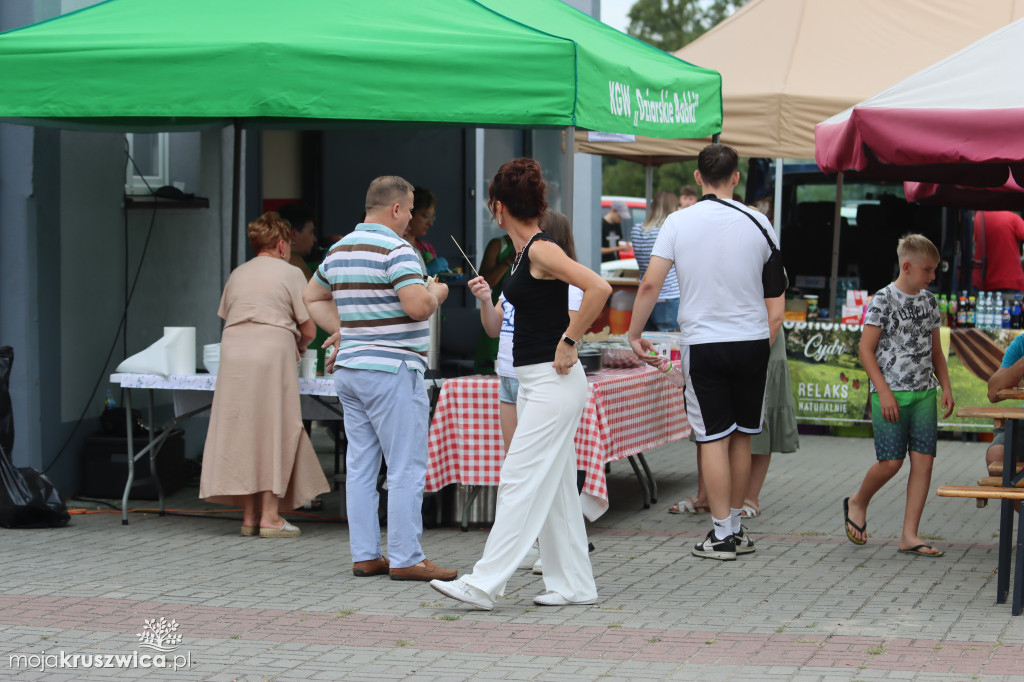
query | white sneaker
(538,569)
(555,599)
(460,591)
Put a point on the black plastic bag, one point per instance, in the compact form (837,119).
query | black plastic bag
(27,498)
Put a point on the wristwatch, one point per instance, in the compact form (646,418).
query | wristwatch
(565,337)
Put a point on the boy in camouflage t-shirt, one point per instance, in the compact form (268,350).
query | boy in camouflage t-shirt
(902,355)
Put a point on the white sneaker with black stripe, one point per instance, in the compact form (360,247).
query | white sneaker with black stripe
(713,548)
(744,543)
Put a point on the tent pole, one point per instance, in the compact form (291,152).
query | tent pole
(569,146)
(777,204)
(836,223)
(649,184)
(236,192)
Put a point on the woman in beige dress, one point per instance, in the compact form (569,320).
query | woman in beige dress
(257,454)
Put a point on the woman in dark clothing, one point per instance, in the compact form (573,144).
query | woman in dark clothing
(537,496)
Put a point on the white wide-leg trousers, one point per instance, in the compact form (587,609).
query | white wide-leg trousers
(537,496)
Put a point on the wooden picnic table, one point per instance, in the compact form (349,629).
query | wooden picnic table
(1004,489)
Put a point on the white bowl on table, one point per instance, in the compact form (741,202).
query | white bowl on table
(211,357)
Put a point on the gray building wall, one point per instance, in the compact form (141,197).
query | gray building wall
(70,252)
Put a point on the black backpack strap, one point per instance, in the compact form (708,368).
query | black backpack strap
(712,197)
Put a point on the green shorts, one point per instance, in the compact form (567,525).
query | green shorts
(916,430)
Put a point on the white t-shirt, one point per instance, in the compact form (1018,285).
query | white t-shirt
(508,324)
(718,256)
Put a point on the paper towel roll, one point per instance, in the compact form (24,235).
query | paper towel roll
(175,353)
(181,349)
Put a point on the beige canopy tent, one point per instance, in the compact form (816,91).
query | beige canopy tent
(787,65)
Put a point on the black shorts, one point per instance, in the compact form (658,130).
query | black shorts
(725,387)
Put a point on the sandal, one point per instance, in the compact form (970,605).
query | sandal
(917,549)
(750,510)
(848,523)
(689,506)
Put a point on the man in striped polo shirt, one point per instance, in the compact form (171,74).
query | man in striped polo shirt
(370,293)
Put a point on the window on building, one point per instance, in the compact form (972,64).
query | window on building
(151,167)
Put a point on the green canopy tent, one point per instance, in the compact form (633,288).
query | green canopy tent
(137,65)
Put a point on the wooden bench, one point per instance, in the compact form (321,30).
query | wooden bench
(990,492)
(994,412)
(996,469)
(1008,488)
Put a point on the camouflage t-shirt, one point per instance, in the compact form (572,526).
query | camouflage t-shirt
(904,350)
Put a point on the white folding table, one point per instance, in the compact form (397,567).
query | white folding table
(193,394)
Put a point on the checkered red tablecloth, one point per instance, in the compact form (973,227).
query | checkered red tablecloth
(628,411)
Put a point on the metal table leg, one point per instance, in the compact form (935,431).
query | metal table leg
(1018,571)
(650,476)
(643,481)
(131,456)
(474,491)
(153,450)
(1006,512)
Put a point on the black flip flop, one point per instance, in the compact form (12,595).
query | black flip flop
(917,550)
(859,529)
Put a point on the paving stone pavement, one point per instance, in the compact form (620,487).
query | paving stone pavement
(807,605)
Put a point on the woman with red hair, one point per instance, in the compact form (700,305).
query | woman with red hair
(537,495)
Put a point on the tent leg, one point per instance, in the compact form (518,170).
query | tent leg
(569,146)
(648,185)
(236,193)
(777,217)
(836,224)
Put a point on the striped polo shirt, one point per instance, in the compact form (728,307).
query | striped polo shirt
(364,272)
(643,243)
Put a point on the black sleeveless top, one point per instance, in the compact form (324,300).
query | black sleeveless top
(542,311)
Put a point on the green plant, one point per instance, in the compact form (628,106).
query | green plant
(615,625)
(449,616)
(343,613)
(654,640)
(403,642)
(876,650)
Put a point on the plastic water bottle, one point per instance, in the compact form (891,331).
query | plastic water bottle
(673,374)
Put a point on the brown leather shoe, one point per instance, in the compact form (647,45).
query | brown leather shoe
(428,571)
(365,569)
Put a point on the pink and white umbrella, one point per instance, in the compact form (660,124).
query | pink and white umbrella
(952,129)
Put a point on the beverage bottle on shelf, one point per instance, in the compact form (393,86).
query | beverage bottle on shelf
(991,312)
(983,310)
(943,310)
(961,312)
(951,315)
(1015,313)
(972,311)
(108,402)
(1006,316)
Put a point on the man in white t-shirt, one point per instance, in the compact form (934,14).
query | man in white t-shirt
(718,253)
